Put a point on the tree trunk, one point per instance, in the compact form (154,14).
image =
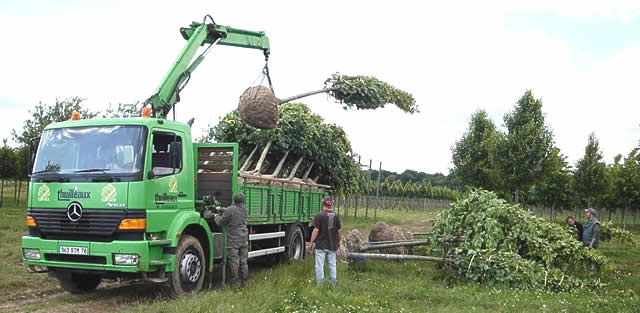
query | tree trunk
(624,221)
(1,191)
(279,167)
(247,162)
(609,214)
(262,157)
(15,188)
(306,94)
(516,196)
(306,174)
(295,168)
(19,192)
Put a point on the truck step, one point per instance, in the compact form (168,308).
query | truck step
(266,236)
(157,280)
(159,262)
(262,252)
(159,242)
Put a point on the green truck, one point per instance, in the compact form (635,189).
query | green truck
(133,197)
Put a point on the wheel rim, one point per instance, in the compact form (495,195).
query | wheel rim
(190,267)
(297,246)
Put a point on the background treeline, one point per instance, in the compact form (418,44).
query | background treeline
(14,160)
(522,163)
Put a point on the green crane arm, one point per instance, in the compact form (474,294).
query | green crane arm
(198,34)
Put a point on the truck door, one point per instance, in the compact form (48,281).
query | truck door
(168,175)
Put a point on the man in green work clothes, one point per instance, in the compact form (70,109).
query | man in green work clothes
(234,220)
(591,230)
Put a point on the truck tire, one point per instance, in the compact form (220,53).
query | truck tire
(295,244)
(78,283)
(188,276)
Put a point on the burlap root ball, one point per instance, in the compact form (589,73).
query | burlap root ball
(383,232)
(258,107)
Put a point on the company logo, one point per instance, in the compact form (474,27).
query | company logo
(43,193)
(173,184)
(74,211)
(73,193)
(109,193)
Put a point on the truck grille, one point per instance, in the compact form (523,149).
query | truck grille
(95,224)
(75,258)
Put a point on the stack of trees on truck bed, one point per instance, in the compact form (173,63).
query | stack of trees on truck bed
(302,149)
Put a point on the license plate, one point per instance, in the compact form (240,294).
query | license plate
(74,250)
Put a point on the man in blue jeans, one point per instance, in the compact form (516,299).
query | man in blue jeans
(326,237)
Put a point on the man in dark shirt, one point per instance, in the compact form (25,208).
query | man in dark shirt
(326,237)
(234,220)
(572,223)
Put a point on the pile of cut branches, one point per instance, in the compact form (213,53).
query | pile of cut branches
(492,242)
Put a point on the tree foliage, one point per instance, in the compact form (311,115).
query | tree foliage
(556,188)
(366,92)
(123,110)
(491,242)
(44,114)
(590,174)
(474,154)
(526,145)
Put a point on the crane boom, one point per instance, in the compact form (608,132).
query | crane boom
(199,34)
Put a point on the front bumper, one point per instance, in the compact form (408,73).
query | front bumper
(100,256)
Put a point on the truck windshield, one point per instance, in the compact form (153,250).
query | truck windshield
(109,150)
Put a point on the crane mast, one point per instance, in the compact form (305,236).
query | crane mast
(197,35)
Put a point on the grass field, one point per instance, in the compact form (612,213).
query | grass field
(370,286)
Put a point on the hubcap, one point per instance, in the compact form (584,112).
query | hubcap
(297,255)
(190,267)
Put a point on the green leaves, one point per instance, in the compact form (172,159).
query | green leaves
(500,243)
(366,92)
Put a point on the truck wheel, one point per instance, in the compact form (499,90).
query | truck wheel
(78,283)
(189,273)
(295,244)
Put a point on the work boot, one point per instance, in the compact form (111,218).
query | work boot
(244,275)
(234,276)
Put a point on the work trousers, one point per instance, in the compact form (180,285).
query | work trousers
(321,254)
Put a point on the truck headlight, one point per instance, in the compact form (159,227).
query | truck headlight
(125,259)
(31,254)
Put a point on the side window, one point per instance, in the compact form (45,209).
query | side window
(166,157)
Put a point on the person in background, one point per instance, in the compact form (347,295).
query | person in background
(572,223)
(326,237)
(591,232)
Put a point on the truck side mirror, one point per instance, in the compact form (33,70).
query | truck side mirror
(33,149)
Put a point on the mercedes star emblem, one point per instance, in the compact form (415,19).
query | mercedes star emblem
(74,211)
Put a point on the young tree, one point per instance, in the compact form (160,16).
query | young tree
(590,174)
(474,154)
(7,166)
(555,190)
(44,114)
(525,148)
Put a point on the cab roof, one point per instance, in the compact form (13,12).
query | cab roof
(128,121)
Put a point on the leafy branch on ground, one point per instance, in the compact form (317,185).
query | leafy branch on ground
(492,242)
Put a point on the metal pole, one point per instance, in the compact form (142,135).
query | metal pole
(375,212)
(393,245)
(366,202)
(380,256)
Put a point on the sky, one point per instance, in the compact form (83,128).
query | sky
(582,58)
